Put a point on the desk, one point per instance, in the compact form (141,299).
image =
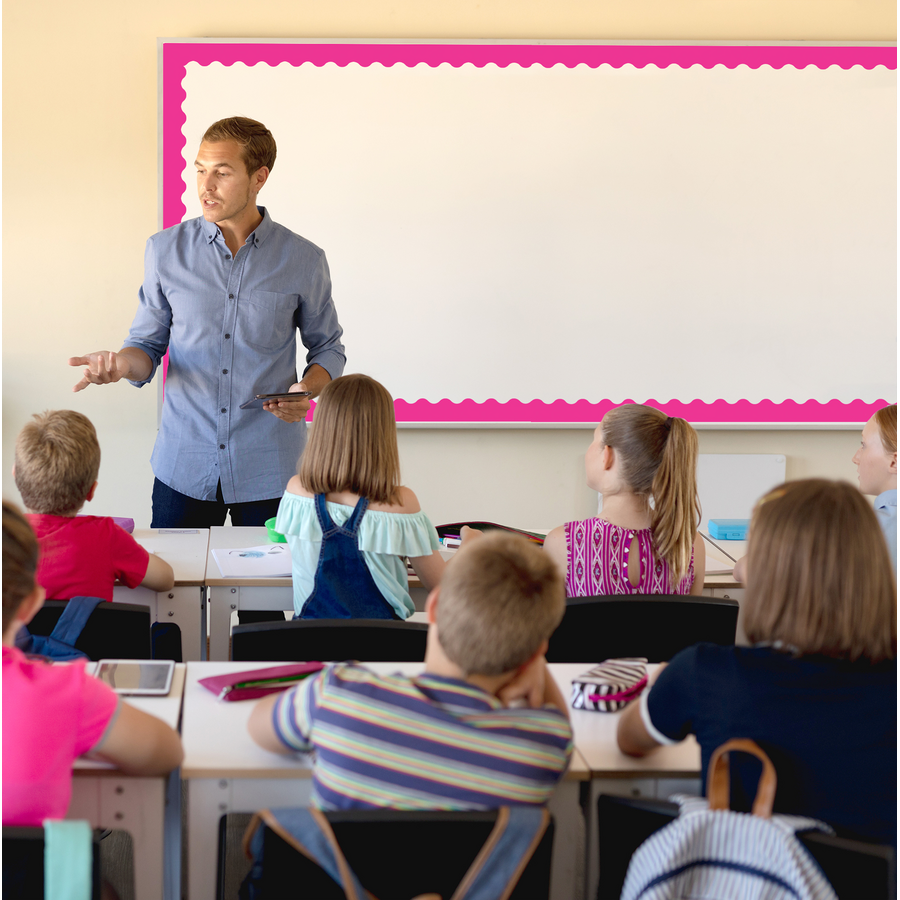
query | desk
(185,604)
(149,808)
(235,775)
(663,772)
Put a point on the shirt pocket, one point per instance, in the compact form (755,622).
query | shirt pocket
(268,320)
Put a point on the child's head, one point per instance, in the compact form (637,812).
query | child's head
(57,461)
(353,441)
(500,598)
(20,559)
(819,577)
(657,457)
(876,459)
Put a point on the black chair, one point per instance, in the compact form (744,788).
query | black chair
(856,870)
(656,626)
(431,852)
(366,640)
(114,630)
(23,863)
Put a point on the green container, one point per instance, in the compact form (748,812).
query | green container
(274,536)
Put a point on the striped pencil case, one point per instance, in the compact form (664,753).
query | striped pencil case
(611,685)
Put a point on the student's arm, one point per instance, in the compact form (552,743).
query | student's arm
(108,367)
(740,570)
(632,735)
(535,684)
(140,744)
(555,545)
(429,569)
(699,565)
(160,576)
(262,728)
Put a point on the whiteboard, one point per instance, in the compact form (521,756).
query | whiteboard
(729,484)
(540,241)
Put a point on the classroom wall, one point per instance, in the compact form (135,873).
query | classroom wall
(80,199)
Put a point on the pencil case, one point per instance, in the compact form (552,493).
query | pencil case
(259,682)
(611,685)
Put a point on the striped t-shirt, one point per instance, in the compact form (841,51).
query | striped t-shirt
(428,742)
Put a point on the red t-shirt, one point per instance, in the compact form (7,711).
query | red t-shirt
(51,715)
(82,556)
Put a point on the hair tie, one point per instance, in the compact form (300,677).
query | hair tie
(668,423)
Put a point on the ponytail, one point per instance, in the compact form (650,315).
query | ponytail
(676,507)
(658,457)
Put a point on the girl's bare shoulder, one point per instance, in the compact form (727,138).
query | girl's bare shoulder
(407,503)
(295,486)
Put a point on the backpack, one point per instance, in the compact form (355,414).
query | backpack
(712,853)
(59,645)
(492,876)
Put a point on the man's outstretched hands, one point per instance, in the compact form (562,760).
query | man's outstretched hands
(290,410)
(102,367)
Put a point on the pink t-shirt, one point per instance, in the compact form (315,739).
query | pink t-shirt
(51,715)
(82,556)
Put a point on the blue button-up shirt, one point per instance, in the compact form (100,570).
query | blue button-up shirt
(886,510)
(230,328)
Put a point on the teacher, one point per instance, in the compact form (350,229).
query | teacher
(225,294)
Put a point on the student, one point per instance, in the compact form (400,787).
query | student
(818,688)
(876,463)
(447,739)
(347,520)
(55,713)
(638,454)
(57,461)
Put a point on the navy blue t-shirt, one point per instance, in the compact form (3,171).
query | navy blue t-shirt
(829,726)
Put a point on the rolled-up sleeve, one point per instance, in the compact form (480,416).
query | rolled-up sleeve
(317,320)
(153,320)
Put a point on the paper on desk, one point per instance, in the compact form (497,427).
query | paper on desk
(266,561)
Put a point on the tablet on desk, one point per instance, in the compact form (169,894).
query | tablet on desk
(137,677)
(259,399)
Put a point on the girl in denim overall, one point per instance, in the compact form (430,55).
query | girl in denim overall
(348,521)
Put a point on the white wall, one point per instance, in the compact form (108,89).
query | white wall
(80,199)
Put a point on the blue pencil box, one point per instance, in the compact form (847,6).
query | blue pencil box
(729,529)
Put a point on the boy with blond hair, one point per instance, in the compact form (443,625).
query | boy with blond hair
(57,462)
(484,726)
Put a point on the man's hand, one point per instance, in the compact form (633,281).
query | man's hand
(290,410)
(102,367)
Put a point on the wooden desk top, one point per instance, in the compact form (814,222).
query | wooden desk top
(167,708)
(235,537)
(184,551)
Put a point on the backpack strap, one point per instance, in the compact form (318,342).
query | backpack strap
(505,854)
(718,782)
(73,619)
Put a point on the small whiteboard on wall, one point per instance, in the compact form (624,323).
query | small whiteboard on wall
(729,484)
(536,233)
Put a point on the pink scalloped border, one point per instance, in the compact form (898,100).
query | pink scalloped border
(176,56)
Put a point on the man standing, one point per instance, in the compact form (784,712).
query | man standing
(225,294)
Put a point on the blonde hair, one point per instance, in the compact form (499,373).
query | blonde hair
(353,442)
(57,462)
(886,420)
(500,598)
(20,559)
(818,573)
(255,140)
(658,457)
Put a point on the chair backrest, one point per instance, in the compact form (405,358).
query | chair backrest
(399,854)
(656,626)
(23,863)
(114,630)
(856,870)
(301,640)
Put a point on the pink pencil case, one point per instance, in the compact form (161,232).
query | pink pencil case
(611,685)
(259,682)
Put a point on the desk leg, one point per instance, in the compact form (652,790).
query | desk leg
(136,805)
(567,871)
(184,607)
(222,602)
(211,798)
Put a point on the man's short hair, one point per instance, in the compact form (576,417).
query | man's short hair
(500,598)
(57,461)
(255,140)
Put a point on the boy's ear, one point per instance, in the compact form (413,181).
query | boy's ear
(90,493)
(431,605)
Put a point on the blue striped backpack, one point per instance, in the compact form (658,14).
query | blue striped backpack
(712,853)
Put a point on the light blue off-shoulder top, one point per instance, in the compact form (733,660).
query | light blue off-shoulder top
(385,539)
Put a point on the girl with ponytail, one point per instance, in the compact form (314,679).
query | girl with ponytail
(645,540)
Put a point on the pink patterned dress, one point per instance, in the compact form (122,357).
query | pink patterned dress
(597,562)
